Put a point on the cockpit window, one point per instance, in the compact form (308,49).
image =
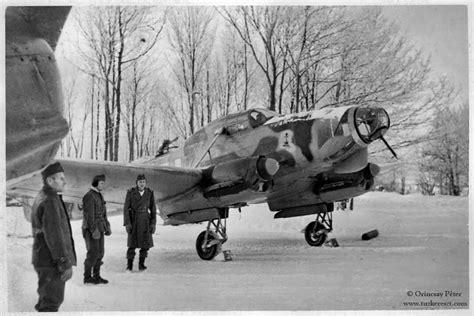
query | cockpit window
(371,124)
(257,118)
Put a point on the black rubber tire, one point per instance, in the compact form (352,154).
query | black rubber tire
(208,253)
(311,239)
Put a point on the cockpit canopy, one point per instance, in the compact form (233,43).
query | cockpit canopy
(258,117)
(247,120)
(232,124)
(371,124)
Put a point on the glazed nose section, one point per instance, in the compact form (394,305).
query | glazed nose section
(371,124)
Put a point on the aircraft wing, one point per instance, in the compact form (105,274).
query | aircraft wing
(166,182)
(183,195)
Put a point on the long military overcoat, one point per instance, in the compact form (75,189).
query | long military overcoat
(139,211)
(53,245)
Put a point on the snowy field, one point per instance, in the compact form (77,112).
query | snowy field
(422,247)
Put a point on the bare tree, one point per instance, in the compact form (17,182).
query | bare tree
(258,26)
(138,89)
(173,109)
(138,33)
(92,99)
(69,142)
(74,141)
(191,38)
(98,28)
(446,158)
(116,36)
(234,72)
(307,36)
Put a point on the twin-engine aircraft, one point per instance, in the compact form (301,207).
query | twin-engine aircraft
(298,164)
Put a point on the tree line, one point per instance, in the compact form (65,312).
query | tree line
(160,72)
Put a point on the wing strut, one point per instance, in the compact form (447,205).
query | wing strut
(218,133)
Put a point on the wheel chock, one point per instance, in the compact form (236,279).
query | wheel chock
(331,243)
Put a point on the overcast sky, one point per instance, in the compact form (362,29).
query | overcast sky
(442,32)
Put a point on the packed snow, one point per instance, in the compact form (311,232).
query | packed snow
(422,247)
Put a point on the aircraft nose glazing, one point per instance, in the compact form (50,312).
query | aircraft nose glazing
(370,124)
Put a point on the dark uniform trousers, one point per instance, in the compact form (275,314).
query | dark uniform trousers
(95,253)
(50,289)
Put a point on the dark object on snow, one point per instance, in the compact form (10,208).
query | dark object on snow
(331,243)
(227,255)
(369,235)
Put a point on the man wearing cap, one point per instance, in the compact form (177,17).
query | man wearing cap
(53,245)
(139,219)
(94,226)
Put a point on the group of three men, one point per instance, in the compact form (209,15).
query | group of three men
(53,246)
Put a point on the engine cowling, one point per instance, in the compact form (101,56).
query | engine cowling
(240,174)
(334,187)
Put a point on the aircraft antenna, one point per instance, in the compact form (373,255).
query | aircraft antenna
(388,146)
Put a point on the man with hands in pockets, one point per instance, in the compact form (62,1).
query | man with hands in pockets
(139,219)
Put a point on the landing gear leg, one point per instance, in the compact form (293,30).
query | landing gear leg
(316,232)
(209,242)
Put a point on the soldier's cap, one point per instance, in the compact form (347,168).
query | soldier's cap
(97,178)
(141,177)
(52,169)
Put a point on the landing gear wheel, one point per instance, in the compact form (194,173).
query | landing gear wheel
(207,252)
(314,235)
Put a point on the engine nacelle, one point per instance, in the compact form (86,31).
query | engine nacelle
(240,174)
(334,187)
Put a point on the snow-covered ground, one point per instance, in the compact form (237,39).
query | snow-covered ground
(422,247)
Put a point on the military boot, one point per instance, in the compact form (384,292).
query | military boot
(90,280)
(100,280)
(87,275)
(141,264)
(97,276)
(129,264)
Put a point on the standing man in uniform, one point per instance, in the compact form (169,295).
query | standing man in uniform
(139,219)
(94,226)
(53,245)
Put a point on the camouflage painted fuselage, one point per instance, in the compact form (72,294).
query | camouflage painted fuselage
(322,156)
